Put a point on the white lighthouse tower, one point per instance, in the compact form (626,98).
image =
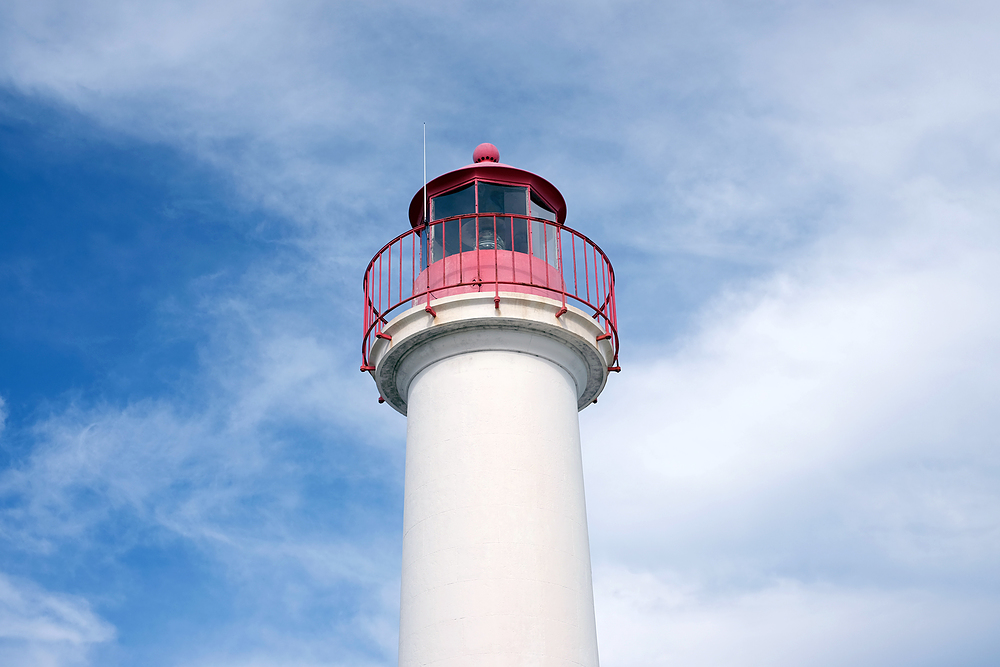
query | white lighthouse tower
(490,324)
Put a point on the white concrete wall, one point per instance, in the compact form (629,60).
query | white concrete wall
(496,557)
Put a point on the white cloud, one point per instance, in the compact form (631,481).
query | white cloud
(285,98)
(809,474)
(815,368)
(41,629)
(658,619)
(226,485)
(815,467)
(252,463)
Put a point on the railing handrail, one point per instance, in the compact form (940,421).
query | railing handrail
(602,281)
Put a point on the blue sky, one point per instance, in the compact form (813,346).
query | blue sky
(798,465)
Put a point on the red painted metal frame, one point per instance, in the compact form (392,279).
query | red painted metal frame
(401,274)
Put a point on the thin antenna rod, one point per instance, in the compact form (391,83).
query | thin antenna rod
(425,173)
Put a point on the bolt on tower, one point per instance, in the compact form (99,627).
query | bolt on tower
(490,324)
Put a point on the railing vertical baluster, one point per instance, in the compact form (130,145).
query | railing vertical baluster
(364,324)
(531,252)
(614,304)
(598,294)
(559,268)
(597,279)
(598,282)
(496,266)
(576,289)
(604,281)
(545,234)
(513,268)
(427,269)
(607,295)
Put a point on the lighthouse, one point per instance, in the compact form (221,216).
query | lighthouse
(490,324)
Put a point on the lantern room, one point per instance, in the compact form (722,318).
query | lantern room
(488,207)
(502,199)
(488,227)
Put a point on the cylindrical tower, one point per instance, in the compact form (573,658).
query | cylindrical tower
(490,324)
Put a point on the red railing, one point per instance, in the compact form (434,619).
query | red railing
(488,252)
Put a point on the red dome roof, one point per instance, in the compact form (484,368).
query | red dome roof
(486,166)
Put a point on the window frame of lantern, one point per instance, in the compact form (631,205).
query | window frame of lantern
(535,228)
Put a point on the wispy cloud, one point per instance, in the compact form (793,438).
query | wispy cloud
(815,456)
(250,463)
(648,619)
(38,627)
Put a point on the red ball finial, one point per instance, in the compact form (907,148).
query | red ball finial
(486,152)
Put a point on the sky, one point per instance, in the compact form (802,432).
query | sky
(797,465)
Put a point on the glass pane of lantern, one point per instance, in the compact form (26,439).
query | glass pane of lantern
(512,233)
(543,242)
(509,199)
(450,229)
(543,237)
(456,202)
(468,234)
(503,232)
(519,234)
(540,210)
(424,259)
(486,232)
(444,239)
